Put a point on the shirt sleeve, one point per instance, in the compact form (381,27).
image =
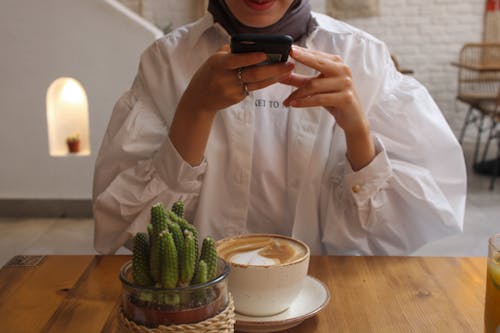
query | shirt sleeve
(414,190)
(137,165)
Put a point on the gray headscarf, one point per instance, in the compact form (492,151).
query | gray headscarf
(293,23)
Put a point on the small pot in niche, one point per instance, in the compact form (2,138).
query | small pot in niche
(73,143)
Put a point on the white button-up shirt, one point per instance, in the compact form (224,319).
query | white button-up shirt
(413,191)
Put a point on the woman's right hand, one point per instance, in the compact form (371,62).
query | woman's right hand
(223,80)
(217,84)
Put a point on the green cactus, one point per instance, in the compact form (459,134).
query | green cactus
(201,273)
(200,277)
(169,264)
(185,225)
(188,260)
(167,257)
(150,231)
(178,208)
(140,260)
(154,259)
(209,256)
(158,218)
(159,223)
(178,236)
(181,222)
(170,298)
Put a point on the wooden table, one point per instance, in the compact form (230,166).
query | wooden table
(368,294)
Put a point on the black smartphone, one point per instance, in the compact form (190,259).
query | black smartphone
(277,47)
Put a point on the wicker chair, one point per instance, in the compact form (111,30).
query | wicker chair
(492,111)
(400,69)
(477,85)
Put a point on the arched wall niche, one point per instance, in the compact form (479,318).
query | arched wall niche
(67,118)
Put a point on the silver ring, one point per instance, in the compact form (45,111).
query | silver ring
(243,84)
(238,74)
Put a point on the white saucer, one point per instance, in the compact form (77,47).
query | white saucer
(313,297)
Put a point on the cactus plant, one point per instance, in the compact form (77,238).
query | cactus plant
(201,273)
(169,265)
(185,225)
(188,262)
(178,208)
(209,256)
(178,237)
(167,256)
(159,223)
(140,260)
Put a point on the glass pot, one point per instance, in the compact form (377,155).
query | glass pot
(151,306)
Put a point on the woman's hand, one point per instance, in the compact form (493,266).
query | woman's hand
(333,89)
(223,80)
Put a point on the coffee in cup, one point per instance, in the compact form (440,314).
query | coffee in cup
(267,271)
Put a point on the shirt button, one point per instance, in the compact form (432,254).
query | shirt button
(356,188)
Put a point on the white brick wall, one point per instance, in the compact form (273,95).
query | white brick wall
(426,35)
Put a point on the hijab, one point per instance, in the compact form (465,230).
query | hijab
(294,23)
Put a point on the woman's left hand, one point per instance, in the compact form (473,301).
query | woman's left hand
(334,90)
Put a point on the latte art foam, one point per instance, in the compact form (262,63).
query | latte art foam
(261,251)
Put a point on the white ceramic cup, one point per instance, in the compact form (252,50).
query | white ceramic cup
(267,271)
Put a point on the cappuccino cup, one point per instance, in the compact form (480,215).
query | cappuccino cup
(267,271)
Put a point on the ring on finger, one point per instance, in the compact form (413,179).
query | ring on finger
(238,75)
(243,84)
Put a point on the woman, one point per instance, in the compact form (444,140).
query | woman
(335,147)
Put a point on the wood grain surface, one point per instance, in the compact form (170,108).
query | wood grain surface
(368,294)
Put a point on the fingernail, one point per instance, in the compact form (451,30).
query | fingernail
(296,49)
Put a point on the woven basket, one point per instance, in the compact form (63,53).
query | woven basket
(221,323)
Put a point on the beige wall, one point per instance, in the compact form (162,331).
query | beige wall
(172,13)
(91,41)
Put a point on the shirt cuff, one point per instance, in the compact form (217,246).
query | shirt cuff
(364,183)
(175,172)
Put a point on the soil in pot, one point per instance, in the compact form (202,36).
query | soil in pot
(152,314)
